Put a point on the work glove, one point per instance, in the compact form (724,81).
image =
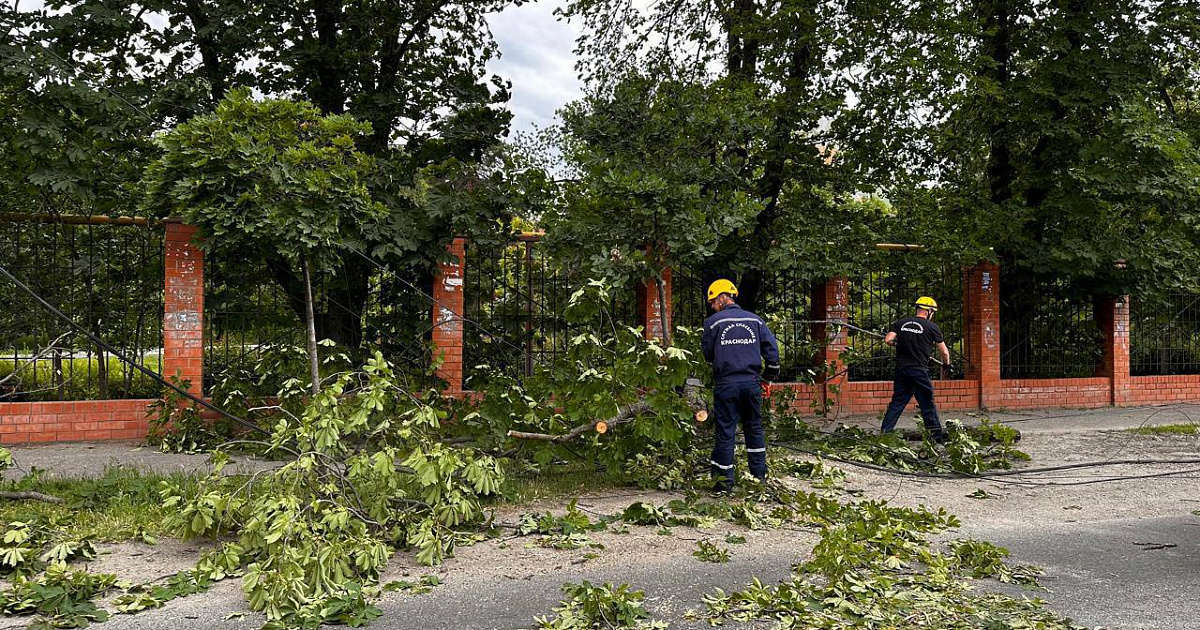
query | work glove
(770,373)
(766,389)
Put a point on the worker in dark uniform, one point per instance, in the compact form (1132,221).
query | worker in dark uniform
(737,343)
(914,339)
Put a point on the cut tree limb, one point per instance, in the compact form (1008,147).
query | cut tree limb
(623,415)
(28,495)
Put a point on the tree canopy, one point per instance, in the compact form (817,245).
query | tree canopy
(88,82)
(1059,134)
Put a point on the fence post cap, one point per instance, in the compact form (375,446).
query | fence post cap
(534,235)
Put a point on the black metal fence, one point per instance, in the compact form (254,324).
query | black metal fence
(689,298)
(246,313)
(516,297)
(1047,329)
(1164,334)
(881,297)
(107,277)
(785,303)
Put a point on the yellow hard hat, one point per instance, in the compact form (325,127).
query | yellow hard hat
(719,287)
(927,303)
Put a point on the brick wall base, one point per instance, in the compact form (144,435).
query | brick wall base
(36,422)
(1158,390)
(864,397)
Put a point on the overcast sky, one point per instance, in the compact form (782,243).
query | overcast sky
(537,57)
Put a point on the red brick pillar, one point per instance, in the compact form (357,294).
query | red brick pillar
(447,316)
(830,303)
(1112,317)
(981,321)
(648,314)
(183,302)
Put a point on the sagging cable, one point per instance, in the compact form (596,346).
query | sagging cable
(120,356)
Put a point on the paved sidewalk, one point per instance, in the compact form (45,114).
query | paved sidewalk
(90,459)
(1052,420)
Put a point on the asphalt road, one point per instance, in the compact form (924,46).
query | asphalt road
(505,603)
(1102,574)
(1118,574)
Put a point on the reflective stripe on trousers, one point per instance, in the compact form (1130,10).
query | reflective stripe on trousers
(735,403)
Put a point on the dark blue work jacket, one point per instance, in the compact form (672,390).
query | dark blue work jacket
(736,342)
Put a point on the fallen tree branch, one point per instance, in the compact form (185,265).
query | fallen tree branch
(916,435)
(28,495)
(699,409)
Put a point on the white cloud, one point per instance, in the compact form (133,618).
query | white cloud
(537,56)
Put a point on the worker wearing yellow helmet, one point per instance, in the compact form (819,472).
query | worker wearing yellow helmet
(915,339)
(743,352)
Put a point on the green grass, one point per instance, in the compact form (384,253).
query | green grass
(558,482)
(81,379)
(121,504)
(1168,429)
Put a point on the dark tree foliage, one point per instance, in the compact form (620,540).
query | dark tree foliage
(1058,136)
(87,83)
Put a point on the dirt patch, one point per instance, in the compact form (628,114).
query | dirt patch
(141,563)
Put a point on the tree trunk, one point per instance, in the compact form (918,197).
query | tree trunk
(328,91)
(341,321)
(313,364)
(780,148)
(664,317)
(997,49)
(215,67)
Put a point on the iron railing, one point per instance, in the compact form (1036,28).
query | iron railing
(516,297)
(249,316)
(689,298)
(1047,329)
(878,298)
(108,277)
(246,313)
(1164,334)
(784,302)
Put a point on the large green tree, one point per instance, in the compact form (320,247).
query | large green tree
(791,64)
(661,181)
(271,179)
(1054,138)
(1058,133)
(415,71)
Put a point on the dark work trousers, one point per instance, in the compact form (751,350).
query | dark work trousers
(911,382)
(733,402)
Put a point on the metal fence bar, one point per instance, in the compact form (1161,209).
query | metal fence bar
(245,312)
(1047,329)
(105,273)
(785,303)
(516,298)
(1164,334)
(878,298)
